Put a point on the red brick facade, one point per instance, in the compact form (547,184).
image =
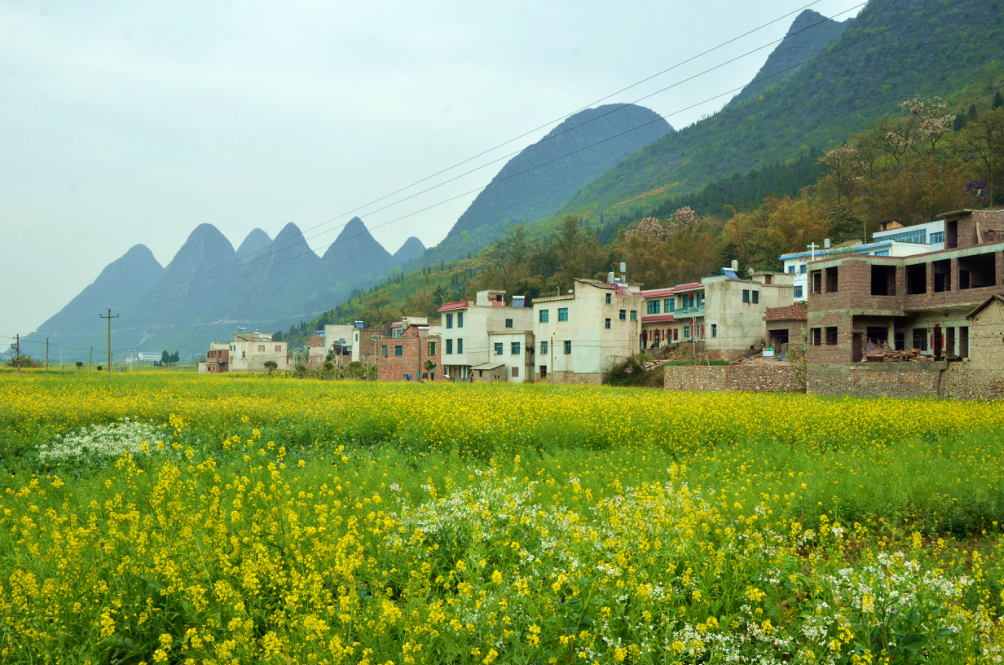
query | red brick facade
(408,354)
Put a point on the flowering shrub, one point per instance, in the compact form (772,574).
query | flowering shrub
(102,442)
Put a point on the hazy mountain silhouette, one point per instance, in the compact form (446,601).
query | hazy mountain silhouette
(410,250)
(355,254)
(255,241)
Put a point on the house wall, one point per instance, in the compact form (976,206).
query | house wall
(739,325)
(518,368)
(414,353)
(594,348)
(247,356)
(479,321)
(876,379)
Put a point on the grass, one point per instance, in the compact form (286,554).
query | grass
(298,521)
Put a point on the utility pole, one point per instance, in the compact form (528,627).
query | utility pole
(17,352)
(47,356)
(89,359)
(109,317)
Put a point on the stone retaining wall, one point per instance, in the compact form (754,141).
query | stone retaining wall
(775,377)
(877,379)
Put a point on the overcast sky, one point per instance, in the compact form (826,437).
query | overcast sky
(125,123)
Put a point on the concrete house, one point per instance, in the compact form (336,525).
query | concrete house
(217,359)
(735,308)
(355,341)
(581,335)
(465,327)
(250,351)
(512,351)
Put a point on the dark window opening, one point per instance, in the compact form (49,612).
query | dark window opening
(963,341)
(942,275)
(831,280)
(816,339)
(900,341)
(777,337)
(878,335)
(920,339)
(817,282)
(938,340)
(756,297)
(976,272)
(883,280)
(543,371)
(508,323)
(916,279)
(831,336)
(951,234)
(950,341)
(746,295)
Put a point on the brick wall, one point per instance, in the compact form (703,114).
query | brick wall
(876,379)
(574,378)
(414,353)
(774,377)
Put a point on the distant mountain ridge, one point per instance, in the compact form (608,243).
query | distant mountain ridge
(536,183)
(208,289)
(934,50)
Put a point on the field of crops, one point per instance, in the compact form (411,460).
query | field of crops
(166,518)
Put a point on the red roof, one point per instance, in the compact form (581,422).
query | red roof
(460,304)
(654,293)
(688,287)
(656,318)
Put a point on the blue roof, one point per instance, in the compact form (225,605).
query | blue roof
(839,250)
(729,273)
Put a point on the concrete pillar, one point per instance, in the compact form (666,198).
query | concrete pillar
(955,275)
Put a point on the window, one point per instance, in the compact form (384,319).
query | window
(652,307)
(515,348)
(568,347)
(714,330)
(669,305)
(460,345)
(543,347)
(449,347)
(398,350)
(916,279)
(543,316)
(798,292)
(816,338)
(756,297)
(432,348)
(676,334)
(278,349)
(498,348)
(882,252)
(804,268)
(883,280)
(261,348)
(608,298)
(562,313)
(700,301)
(937,236)
(623,315)
(634,315)
(606,324)
(460,319)
(963,341)
(383,350)
(920,338)
(746,295)
(508,323)
(831,280)
(942,275)
(515,372)
(791,270)
(449,320)
(831,336)
(817,282)
(686,332)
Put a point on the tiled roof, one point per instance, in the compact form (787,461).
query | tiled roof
(687,287)
(658,318)
(460,304)
(654,293)
(791,312)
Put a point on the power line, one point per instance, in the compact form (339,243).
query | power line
(547,138)
(661,117)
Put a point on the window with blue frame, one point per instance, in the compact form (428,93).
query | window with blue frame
(460,345)
(652,307)
(544,315)
(882,252)
(449,320)
(568,347)
(798,291)
(543,347)
(562,313)
(460,319)
(498,348)
(937,236)
(515,348)
(669,305)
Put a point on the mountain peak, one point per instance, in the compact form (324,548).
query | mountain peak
(255,241)
(410,250)
(355,252)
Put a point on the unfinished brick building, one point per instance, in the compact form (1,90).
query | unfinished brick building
(403,358)
(914,302)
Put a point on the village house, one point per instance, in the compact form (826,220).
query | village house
(465,327)
(351,342)
(404,357)
(923,302)
(786,325)
(513,352)
(248,352)
(317,351)
(580,336)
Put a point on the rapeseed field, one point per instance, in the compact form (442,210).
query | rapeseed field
(162,518)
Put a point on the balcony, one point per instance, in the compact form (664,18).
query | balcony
(689,312)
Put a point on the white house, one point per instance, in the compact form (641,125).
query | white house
(581,335)
(465,327)
(250,351)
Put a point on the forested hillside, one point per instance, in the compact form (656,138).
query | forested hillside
(935,49)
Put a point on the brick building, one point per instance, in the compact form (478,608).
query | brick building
(919,301)
(785,325)
(407,354)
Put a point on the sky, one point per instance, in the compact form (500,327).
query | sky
(124,123)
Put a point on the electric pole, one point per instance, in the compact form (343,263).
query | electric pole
(47,356)
(89,359)
(17,352)
(109,317)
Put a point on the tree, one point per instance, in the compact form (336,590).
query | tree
(165,358)
(79,364)
(175,358)
(271,366)
(430,367)
(985,136)
(998,101)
